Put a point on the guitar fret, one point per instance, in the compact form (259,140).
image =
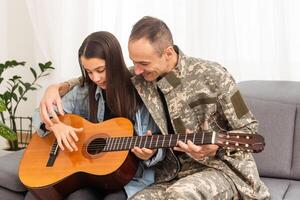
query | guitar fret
(194,135)
(185,141)
(202,138)
(140,141)
(130,147)
(163,141)
(157,140)
(117,143)
(136,141)
(173,141)
(126,143)
(110,143)
(113,144)
(136,138)
(170,140)
(145,141)
(122,143)
(106,142)
(150,141)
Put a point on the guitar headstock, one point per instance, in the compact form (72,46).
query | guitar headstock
(241,141)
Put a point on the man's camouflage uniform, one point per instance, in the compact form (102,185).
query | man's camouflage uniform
(197,92)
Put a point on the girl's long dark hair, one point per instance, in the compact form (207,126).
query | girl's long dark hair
(121,96)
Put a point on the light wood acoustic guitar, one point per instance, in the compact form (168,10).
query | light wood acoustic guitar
(103,158)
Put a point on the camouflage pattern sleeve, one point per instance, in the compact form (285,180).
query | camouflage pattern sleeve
(68,85)
(233,106)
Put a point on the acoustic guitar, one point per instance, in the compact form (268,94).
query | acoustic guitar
(103,158)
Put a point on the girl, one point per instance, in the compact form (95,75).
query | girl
(106,92)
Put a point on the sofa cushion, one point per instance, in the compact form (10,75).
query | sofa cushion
(283,188)
(296,156)
(277,187)
(280,91)
(6,194)
(276,124)
(293,191)
(84,193)
(9,167)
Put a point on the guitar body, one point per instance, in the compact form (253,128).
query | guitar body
(73,170)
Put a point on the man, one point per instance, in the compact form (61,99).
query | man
(183,95)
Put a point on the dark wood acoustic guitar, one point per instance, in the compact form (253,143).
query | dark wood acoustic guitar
(103,158)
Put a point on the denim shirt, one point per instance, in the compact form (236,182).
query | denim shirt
(76,102)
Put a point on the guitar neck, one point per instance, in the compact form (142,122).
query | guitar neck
(155,141)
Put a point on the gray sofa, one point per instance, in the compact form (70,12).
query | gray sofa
(276,104)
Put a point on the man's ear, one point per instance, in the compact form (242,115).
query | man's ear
(169,52)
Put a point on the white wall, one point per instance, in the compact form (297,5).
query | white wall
(16,43)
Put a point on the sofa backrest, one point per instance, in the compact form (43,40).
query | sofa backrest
(276,105)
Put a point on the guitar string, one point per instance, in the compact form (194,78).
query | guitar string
(143,142)
(121,144)
(164,139)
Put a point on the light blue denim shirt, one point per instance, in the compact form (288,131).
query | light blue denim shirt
(76,102)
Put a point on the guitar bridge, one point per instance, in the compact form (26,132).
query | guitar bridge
(53,154)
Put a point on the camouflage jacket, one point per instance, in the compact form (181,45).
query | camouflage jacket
(198,91)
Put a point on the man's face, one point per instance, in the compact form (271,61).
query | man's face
(146,60)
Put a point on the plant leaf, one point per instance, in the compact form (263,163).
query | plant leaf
(2,105)
(33,72)
(14,96)
(48,65)
(27,85)
(20,90)
(7,133)
(7,95)
(12,63)
(42,67)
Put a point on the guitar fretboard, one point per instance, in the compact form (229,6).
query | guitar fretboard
(154,141)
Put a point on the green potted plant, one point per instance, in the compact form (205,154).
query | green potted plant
(15,92)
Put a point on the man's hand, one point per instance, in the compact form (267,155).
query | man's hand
(144,153)
(195,151)
(198,152)
(50,99)
(65,135)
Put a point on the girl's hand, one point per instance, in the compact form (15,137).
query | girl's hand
(144,153)
(65,135)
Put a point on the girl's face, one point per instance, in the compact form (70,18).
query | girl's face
(95,68)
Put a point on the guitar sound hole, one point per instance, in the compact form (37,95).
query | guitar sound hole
(96,146)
